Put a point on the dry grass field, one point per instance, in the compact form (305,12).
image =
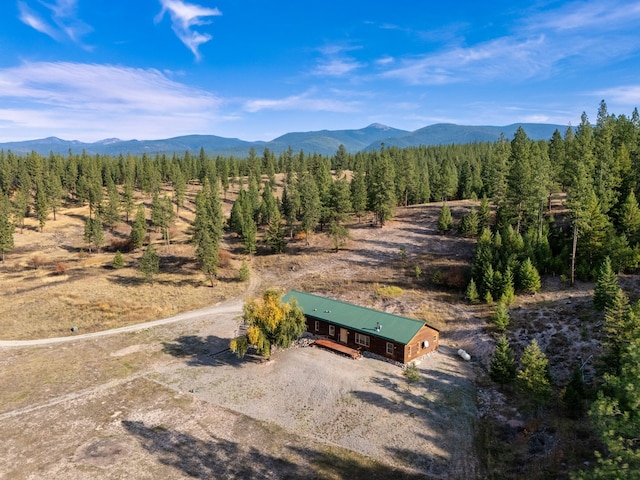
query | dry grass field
(170,402)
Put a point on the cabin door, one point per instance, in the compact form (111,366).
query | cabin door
(343,335)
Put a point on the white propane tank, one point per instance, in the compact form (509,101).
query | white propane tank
(464,355)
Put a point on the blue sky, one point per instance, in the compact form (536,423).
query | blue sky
(147,69)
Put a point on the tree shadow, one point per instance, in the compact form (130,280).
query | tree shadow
(216,457)
(208,351)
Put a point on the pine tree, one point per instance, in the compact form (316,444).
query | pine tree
(529,278)
(381,189)
(6,227)
(274,236)
(309,204)
(484,214)
(471,293)
(533,378)
(445,220)
(41,205)
(149,263)
(508,289)
(630,219)
(93,234)
(118,260)
(500,317)
(338,235)
(207,255)
(503,366)
(139,228)
(358,191)
(606,286)
(244,274)
(469,224)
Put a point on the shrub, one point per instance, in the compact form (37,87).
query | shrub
(36,261)
(412,373)
(121,245)
(224,258)
(61,268)
(387,292)
(118,260)
(245,273)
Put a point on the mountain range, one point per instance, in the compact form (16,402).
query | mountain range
(324,142)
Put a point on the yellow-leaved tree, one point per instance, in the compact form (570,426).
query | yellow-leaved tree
(270,322)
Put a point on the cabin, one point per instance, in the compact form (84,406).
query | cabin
(397,338)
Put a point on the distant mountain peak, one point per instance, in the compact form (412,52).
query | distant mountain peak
(379,126)
(108,141)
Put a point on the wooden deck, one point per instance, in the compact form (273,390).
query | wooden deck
(337,347)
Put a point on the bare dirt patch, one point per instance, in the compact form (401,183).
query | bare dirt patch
(171,402)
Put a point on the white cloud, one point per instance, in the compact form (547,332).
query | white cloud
(626,94)
(185,16)
(96,101)
(337,67)
(303,102)
(62,22)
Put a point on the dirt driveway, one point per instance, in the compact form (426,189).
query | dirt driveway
(169,402)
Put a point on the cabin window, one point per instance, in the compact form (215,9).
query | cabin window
(332,330)
(362,339)
(389,348)
(317,325)
(408,350)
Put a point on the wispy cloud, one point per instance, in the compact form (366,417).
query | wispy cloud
(625,95)
(113,100)
(335,62)
(575,35)
(303,102)
(485,61)
(58,20)
(185,16)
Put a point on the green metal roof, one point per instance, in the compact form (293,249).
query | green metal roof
(360,319)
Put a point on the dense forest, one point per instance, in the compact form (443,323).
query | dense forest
(566,206)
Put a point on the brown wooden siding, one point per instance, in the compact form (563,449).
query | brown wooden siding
(378,345)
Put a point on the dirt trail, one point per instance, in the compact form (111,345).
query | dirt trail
(230,307)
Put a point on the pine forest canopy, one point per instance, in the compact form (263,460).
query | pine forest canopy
(595,169)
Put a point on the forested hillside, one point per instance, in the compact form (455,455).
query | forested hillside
(567,206)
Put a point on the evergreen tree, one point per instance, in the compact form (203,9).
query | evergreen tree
(118,260)
(359,190)
(503,366)
(469,224)
(149,263)
(445,220)
(309,204)
(529,278)
(139,228)
(207,255)
(615,418)
(471,293)
(41,205)
(275,234)
(533,377)
(338,234)
(381,189)
(6,227)
(630,219)
(127,199)
(575,394)
(93,234)
(500,317)
(508,290)
(244,273)
(606,286)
